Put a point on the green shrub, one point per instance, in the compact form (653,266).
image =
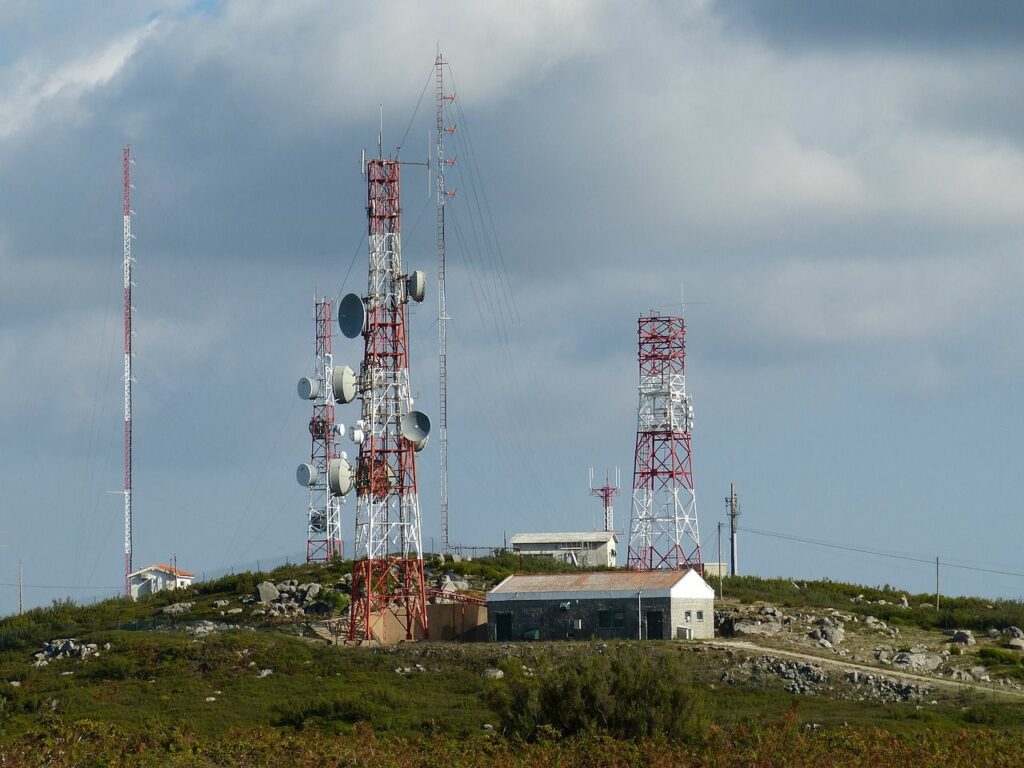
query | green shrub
(628,693)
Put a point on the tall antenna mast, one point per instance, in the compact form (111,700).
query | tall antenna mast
(442,305)
(663,529)
(126,157)
(326,387)
(387,575)
(606,493)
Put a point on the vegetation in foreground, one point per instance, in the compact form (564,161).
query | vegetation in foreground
(161,696)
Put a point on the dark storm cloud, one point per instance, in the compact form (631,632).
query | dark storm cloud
(936,25)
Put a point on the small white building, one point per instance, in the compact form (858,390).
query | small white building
(156,578)
(586,549)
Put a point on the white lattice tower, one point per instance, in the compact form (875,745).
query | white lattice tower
(323,531)
(663,527)
(388,573)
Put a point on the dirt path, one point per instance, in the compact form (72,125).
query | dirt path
(850,666)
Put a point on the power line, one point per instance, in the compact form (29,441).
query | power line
(879,553)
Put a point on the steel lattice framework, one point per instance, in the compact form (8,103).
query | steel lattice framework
(388,572)
(606,493)
(663,528)
(323,538)
(126,161)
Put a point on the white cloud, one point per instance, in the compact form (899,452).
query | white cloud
(26,89)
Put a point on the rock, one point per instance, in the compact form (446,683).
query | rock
(963,637)
(211,698)
(747,627)
(488,727)
(231,611)
(265,673)
(1016,644)
(266,592)
(904,603)
(312,592)
(16,683)
(993,633)
(1014,632)
(919,662)
(926,605)
(221,603)
(178,608)
(492,673)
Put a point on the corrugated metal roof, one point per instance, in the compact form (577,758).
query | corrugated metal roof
(601,581)
(562,538)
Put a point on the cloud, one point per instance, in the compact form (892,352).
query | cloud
(904,24)
(25,91)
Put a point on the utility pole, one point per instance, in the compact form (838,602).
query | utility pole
(733,505)
(21,590)
(936,583)
(720,560)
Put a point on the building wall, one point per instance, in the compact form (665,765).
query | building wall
(589,554)
(155,581)
(701,616)
(581,619)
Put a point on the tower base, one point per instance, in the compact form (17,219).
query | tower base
(389,600)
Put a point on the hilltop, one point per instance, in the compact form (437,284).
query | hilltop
(803,663)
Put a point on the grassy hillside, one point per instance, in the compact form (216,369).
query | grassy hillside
(160,694)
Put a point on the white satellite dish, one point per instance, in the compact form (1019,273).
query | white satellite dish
(416,284)
(307,475)
(343,382)
(351,315)
(339,476)
(414,426)
(309,389)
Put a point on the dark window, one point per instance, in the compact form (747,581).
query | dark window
(609,620)
(700,615)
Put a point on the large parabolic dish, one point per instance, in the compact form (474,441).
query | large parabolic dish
(351,315)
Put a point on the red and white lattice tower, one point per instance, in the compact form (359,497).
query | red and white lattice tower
(606,493)
(126,161)
(663,529)
(388,583)
(323,538)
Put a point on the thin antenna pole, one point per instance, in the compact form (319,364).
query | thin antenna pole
(720,568)
(442,303)
(21,589)
(126,159)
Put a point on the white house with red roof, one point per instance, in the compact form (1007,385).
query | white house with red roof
(156,578)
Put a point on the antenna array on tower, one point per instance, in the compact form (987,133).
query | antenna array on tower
(663,529)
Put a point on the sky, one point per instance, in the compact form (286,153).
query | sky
(836,189)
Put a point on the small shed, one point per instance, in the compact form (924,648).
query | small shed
(156,578)
(582,548)
(648,605)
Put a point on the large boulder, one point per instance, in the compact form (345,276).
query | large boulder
(918,662)
(178,608)
(1016,644)
(748,627)
(963,637)
(312,591)
(266,592)
(1015,632)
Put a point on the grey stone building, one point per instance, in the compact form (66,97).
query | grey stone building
(649,605)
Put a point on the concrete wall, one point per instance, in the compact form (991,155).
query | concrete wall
(589,554)
(701,616)
(581,620)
